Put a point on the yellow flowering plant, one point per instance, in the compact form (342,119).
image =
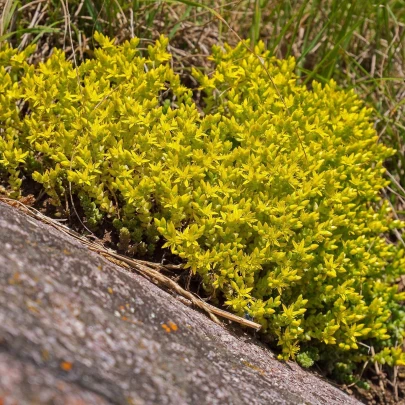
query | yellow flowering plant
(272,195)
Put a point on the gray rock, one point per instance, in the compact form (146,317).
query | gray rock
(77,329)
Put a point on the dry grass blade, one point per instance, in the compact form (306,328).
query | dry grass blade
(6,15)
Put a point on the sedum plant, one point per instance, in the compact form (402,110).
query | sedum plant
(272,195)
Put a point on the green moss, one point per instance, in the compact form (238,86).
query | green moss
(272,196)
(125,239)
(305,360)
(92,213)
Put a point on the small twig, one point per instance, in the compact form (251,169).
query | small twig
(30,4)
(35,19)
(361,375)
(79,8)
(378,372)
(131,23)
(168,282)
(395,383)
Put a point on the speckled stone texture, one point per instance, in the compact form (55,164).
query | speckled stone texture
(77,329)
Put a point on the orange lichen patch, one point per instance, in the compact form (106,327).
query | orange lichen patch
(110,290)
(253,367)
(33,307)
(45,355)
(15,279)
(124,318)
(66,365)
(173,326)
(66,252)
(166,328)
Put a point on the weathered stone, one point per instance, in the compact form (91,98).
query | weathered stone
(77,329)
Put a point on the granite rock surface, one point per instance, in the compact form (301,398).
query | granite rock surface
(78,329)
